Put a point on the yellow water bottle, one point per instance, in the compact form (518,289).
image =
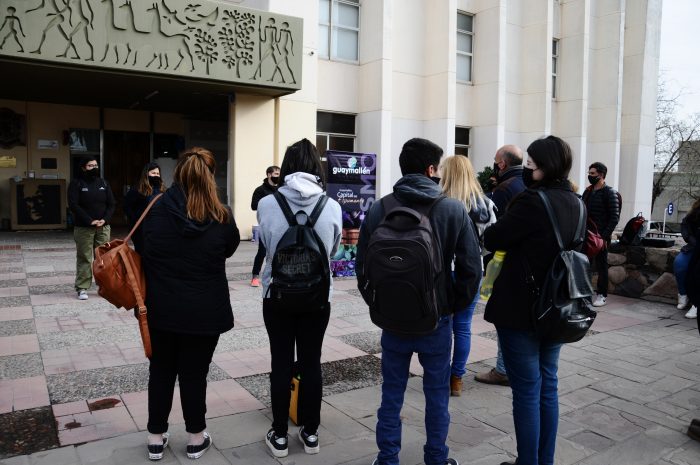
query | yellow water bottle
(492,271)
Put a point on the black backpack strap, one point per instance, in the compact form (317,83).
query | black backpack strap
(291,219)
(581,229)
(318,209)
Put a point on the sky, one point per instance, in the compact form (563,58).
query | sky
(680,57)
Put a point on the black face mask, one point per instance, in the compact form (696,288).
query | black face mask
(435,179)
(593,180)
(154,181)
(527,177)
(275,180)
(93,173)
(496,170)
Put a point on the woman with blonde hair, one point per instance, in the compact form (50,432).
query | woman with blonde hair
(187,237)
(459,182)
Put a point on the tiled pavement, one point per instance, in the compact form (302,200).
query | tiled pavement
(627,391)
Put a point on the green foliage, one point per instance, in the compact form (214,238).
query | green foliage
(483,177)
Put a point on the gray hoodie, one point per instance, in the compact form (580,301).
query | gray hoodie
(302,192)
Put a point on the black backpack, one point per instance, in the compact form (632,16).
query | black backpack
(635,230)
(300,271)
(404,270)
(562,311)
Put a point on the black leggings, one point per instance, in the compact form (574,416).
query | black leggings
(601,266)
(186,357)
(259,257)
(306,330)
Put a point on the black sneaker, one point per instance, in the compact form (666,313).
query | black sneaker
(155,451)
(195,452)
(310,441)
(277,444)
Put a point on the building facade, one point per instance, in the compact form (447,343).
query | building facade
(134,81)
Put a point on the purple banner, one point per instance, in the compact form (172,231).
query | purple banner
(352,181)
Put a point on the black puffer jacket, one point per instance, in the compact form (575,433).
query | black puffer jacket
(690,230)
(260,192)
(603,208)
(184,261)
(527,236)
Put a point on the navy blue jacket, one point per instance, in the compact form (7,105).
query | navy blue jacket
(453,228)
(510,184)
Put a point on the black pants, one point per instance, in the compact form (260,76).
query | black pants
(186,357)
(601,266)
(306,330)
(259,257)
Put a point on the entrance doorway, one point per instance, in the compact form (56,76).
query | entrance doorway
(125,154)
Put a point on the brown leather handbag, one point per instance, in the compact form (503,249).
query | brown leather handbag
(121,280)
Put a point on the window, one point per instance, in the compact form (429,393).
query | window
(335,131)
(555,59)
(339,29)
(462,141)
(465,46)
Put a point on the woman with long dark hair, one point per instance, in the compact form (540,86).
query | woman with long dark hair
(526,234)
(187,237)
(303,327)
(139,196)
(91,201)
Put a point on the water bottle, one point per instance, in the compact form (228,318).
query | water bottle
(492,271)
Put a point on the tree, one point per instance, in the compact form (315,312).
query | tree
(677,148)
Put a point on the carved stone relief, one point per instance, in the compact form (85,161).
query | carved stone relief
(200,39)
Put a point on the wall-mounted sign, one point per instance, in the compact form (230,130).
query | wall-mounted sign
(205,39)
(13,128)
(8,161)
(47,144)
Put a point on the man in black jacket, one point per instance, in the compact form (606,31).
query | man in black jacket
(268,186)
(603,206)
(508,167)
(419,161)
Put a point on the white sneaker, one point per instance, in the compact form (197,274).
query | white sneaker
(682,302)
(600,300)
(82,294)
(692,313)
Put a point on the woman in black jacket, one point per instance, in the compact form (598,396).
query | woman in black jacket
(138,198)
(187,237)
(525,233)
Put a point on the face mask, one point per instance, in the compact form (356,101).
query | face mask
(435,179)
(275,180)
(593,180)
(154,181)
(93,173)
(496,170)
(527,177)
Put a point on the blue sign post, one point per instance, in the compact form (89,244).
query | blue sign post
(668,211)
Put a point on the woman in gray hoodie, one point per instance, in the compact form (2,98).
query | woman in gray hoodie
(302,187)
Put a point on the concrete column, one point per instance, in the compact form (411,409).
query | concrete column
(641,69)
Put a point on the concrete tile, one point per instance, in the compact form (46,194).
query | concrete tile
(16,313)
(239,430)
(62,456)
(22,344)
(638,450)
(609,422)
(257,454)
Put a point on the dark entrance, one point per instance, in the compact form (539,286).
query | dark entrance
(125,154)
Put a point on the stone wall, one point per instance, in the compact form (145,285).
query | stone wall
(642,272)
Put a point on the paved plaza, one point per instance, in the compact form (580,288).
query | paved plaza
(73,380)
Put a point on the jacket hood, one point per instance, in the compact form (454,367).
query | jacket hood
(416,188)
(301,188)
(175,203)
(480,212)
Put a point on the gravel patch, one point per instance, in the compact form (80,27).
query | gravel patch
(13,283)
(11,269)
(17,328)
(18,301)
(238,276)
(21,366)
(493,335)
(354,292)
(369,341)
(89,307)
(27,431)
(338,377)
(52,289)
(242,339)
(50,274)
(89,337)
(102,382)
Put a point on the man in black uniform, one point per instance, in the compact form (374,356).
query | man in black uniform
(269,186)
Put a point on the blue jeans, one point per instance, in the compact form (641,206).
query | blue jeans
(500,365)
(680,269)
(434,355)
(462,330)
(532,371)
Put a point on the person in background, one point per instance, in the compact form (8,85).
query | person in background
(91,201)
(508,168)
(304,328)
(603,207)
(526,234)
(690,226)
(187,237)
(139,196)
(459,181)
(268,186)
